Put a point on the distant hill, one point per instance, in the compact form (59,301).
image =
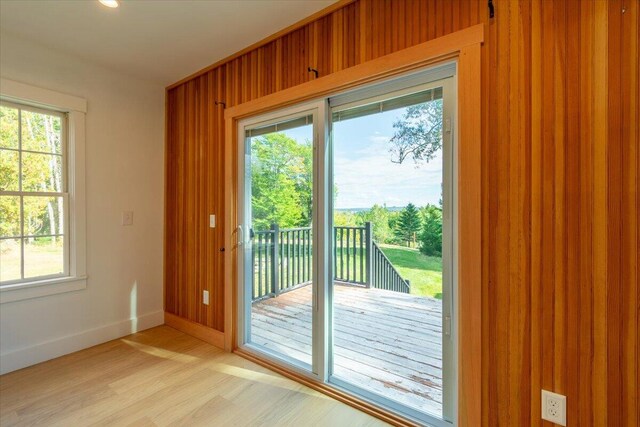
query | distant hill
(356,210)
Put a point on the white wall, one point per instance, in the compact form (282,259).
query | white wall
(124,163)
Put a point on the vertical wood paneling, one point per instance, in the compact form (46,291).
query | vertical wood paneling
(560,179)
(586,242)
(630,244)
(499,267)
(572,153)
(600,215)
(535,214)
(489,327)
(614,211)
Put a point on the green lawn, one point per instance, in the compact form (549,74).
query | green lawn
(41,258)
(424,272)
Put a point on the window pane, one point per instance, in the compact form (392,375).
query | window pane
(8,127)
(9,216)
(388,290)
(43,256)
(9,259)
(43,215)
(41,172)
(41,132)
(281,252)
(9,170)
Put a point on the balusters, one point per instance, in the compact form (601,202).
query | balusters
(309,255)
(282,259)
(260,289)
(298,254)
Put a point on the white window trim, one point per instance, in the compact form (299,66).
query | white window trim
(76,109)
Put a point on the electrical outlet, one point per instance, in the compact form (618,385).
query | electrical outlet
(205,297)
(212,221)
(554,407)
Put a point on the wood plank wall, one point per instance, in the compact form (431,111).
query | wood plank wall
(561,172)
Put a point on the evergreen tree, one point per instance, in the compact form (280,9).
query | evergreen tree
(408,224)
(431,234)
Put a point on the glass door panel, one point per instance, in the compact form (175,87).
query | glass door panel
(278,254)
(347,266)
(392,210)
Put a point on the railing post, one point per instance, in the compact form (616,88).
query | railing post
(275,259)
(369,252)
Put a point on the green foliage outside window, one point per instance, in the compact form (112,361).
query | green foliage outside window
(42,171)
(281,181)
(408,225)
(430,237)
(31,162)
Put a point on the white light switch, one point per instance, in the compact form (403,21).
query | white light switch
(127,218)
(205,297)
(212,221)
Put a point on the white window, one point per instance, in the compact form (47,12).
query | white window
(33,194)
(41,192)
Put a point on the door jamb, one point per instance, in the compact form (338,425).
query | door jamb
(465,47)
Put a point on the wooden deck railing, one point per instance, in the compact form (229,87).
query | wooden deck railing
(351,263)
(384,275)
(282,260)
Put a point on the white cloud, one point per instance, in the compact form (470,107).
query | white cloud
(372,177)
(379,139)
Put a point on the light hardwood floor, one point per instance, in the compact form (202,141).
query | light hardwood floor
(163,377)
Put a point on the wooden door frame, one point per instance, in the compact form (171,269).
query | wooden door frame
(464,47)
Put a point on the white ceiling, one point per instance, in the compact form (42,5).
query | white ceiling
(159,40)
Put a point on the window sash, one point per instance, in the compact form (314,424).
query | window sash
(22,237)
(25,193)
(390,102)
(279,126)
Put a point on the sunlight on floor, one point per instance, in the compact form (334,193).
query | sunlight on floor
(264,378)
(161,352)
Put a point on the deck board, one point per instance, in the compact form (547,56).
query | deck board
(386,342)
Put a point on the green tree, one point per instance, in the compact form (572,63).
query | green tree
(280,181)
(379,218)
(394,217)
(9,206)
(408,224)
(41,171)
(418,134)
(345,219)
(430,237)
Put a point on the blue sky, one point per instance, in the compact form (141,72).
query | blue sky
(363,171)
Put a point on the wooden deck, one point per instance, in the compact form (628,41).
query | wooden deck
(386,342)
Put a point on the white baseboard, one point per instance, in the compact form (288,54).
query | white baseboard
(18,359)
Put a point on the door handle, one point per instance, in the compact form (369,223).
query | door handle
(240,231)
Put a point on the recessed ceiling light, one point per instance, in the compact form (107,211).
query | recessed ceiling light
(109,3)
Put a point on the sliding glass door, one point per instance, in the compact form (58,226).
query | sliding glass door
(347,269)
(278,262)
(392,210)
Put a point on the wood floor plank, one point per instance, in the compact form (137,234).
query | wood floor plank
(162,377)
